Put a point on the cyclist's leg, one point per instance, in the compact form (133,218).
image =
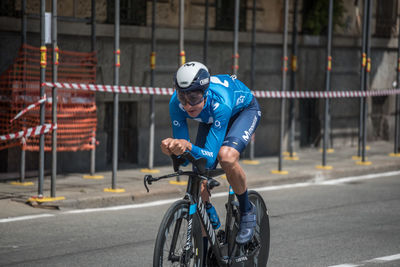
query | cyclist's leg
(237,138)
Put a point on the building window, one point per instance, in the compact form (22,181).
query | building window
(132,12)
(386,12)
(127,132)
(225,15)
(7,8)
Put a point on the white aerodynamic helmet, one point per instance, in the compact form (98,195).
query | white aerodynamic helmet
(192,76)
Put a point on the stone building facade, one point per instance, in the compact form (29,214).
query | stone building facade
(74,33)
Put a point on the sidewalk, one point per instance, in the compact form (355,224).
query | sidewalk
(89,193)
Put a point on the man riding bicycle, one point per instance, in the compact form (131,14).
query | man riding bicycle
(228,114)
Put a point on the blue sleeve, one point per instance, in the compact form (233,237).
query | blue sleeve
(215,136)
(178,120)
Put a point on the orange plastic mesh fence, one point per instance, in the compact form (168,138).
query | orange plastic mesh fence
(76,110)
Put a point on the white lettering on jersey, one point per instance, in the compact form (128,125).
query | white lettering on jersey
(207,153)
(217,80)
(248,133)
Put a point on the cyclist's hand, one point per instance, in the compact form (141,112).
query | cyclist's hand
(165,146)
(178,146)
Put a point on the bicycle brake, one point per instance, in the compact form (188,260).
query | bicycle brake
(148,179)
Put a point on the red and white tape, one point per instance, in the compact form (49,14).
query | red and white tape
(113,88)
(322,94)
(22,112)
(41,129)
(260,94)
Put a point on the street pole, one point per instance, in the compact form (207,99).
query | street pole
(235,64)
(362,76)
(93,49)
(253,69)
(54,95)
(205,46)
(182,56)
(366,84)
(293,82)
(327,85)
(43,62)
(23,43)
(116,95)
(284,72)
(152,100)
(397,107)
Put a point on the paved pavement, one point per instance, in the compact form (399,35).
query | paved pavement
(89,193)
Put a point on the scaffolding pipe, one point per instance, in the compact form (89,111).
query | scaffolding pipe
(367,75)
(284,71)
(328,81)
(42,90)
(54,96)
(152,100)
(93,49)
(293,80)
(205,46)
(362,75)
(116,95)
(397,107)
(253,70)
(235,64)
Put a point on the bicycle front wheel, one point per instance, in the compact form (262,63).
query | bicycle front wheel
(262,231)
(172,237)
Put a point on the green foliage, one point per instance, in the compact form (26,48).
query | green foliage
(316,13)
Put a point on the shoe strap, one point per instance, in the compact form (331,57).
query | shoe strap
(248,220)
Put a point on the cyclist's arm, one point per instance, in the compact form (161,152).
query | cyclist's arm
(215,136)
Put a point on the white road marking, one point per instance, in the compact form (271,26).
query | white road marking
(124,207)
(386,259)
(345,265)
(222,194)
(24,218)
(375,260)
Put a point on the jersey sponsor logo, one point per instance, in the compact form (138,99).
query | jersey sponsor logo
(248,133)
(233,77)
(218,81)
(176,123)
(217,124)
(207,153)
(215,106)
(240,100)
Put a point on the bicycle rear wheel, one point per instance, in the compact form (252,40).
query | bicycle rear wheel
(172,236)
(262,231)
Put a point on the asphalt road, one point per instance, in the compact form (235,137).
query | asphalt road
(356,223)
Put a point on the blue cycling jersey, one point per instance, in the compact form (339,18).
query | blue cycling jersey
(226,97)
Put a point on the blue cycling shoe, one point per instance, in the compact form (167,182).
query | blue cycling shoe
(247,225)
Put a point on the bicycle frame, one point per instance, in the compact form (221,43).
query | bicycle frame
(198,208)
(225,251)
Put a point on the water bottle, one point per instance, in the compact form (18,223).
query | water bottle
(212,214)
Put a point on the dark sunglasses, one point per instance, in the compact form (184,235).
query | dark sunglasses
(192,98)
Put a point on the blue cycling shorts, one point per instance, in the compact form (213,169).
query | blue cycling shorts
(240,128)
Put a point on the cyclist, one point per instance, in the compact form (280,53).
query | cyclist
(228,114)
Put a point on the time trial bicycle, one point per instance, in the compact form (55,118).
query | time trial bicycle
(179,240)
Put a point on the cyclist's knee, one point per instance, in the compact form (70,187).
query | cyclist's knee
(228,156)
